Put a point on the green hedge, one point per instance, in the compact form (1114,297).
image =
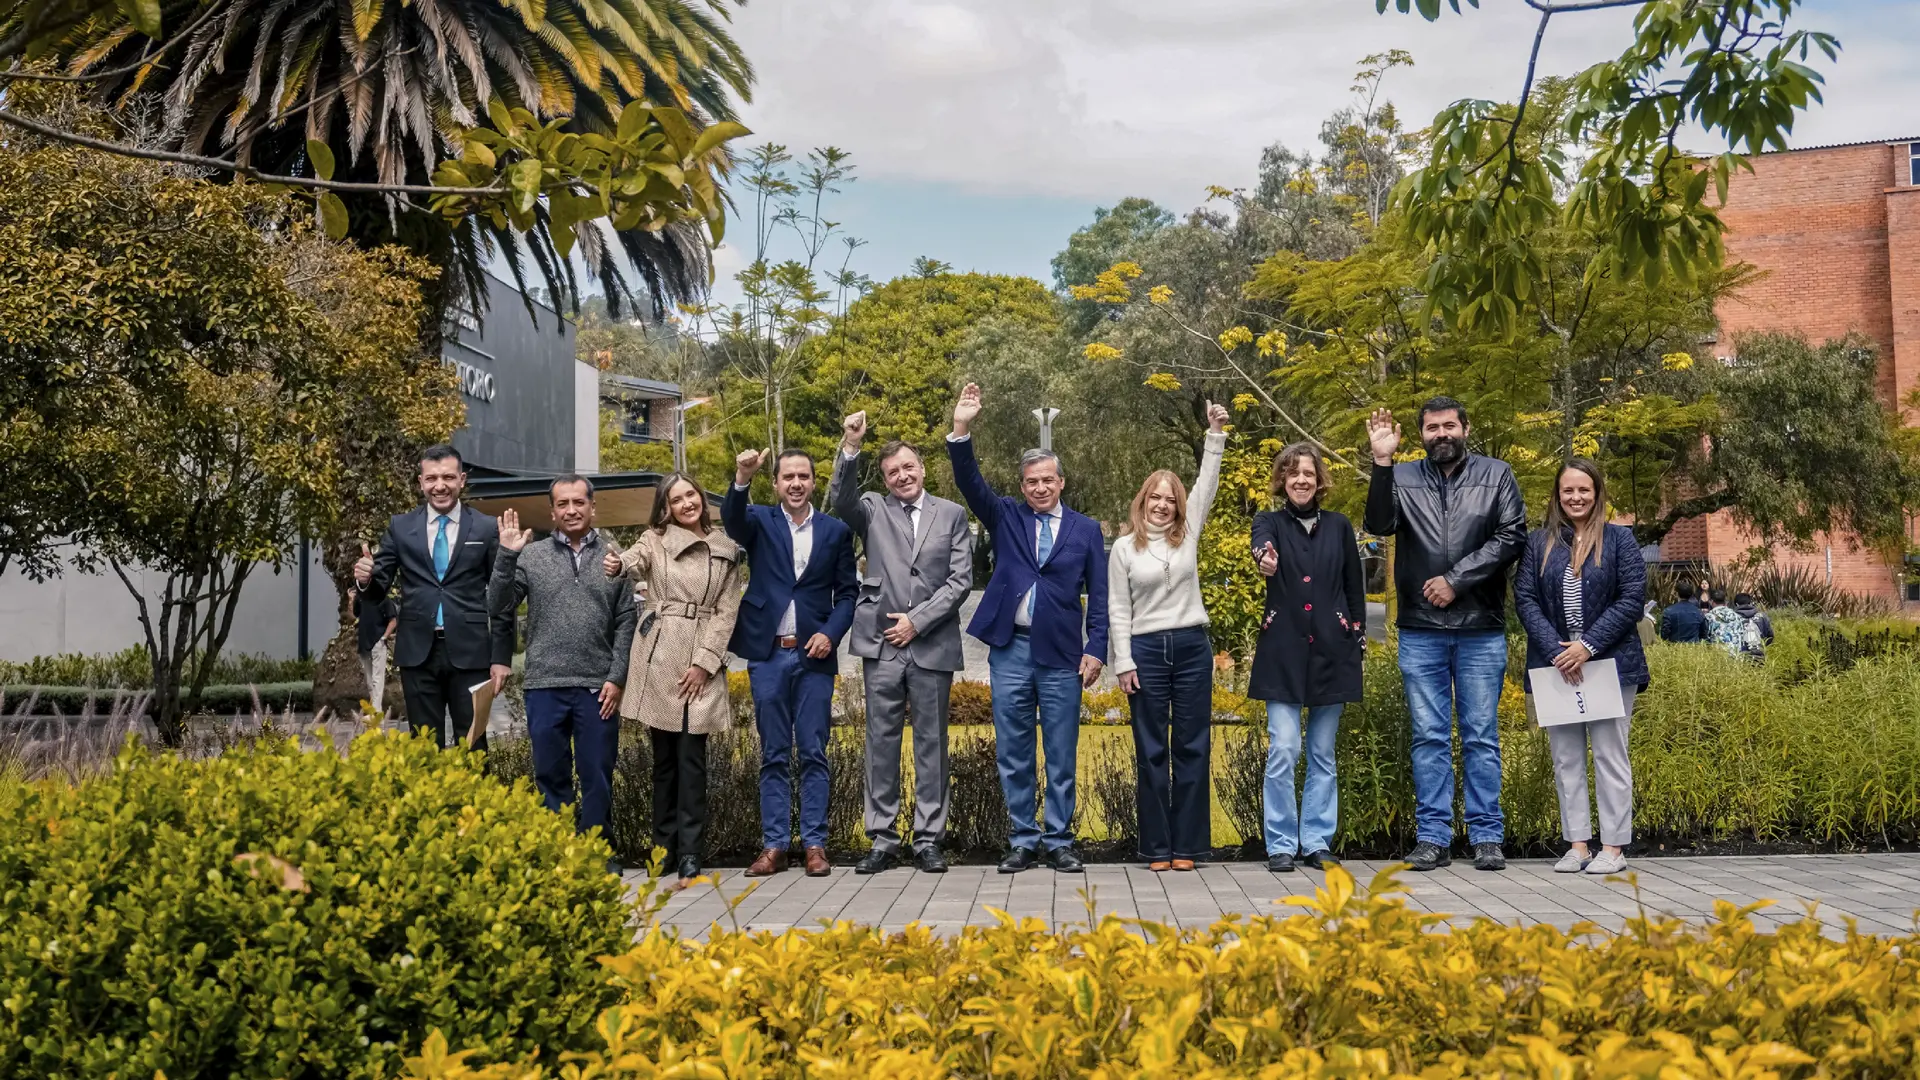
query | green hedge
(271,913)
(230,698)
(1819,745)
(131,669)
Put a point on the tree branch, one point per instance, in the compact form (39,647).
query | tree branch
(1652,532)
(185,32)
(173,157)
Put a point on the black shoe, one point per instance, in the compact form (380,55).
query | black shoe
(876,861)
(930,861)
(1020,858)
(689,868)
(1427,856)
(1489,857)
(1064,861)
(1281,863)
(1319,860)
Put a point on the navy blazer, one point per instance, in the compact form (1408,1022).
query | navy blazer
(1078,560)
(823,597)
(475,637)
(1612,588)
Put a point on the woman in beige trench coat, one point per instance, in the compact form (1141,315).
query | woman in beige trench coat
(676,681)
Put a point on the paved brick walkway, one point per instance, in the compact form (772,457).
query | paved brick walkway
(1881,891)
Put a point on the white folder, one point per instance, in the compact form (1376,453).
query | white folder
(1597,697)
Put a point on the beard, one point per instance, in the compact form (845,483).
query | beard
(1446,450)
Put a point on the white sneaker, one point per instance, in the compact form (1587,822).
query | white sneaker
(1607,863)
(1571,863)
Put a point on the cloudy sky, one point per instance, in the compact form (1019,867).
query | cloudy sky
(986,131)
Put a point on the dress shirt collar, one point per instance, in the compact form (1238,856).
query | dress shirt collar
(587,541)
(796,526)
(452,516)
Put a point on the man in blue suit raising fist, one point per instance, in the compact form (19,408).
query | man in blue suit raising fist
(799,604)
(1044,555)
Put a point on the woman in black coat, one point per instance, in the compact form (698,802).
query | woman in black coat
(1308,657)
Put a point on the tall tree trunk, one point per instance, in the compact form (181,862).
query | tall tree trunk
(338,682)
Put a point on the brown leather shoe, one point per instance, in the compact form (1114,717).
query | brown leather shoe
(817,864)
(770,862)
(1160,866)
(1183,864)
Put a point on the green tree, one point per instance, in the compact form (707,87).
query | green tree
(1115,235)
(1731,69)
(180,364)
(420,99)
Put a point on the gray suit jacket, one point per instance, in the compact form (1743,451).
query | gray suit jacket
(927,577)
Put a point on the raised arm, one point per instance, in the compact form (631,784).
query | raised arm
(1383,438)
(733,508)
(1207,484)
(980,496)
(843,491)
(373,573)
(508,585)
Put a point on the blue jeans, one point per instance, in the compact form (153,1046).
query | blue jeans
(1022,689)
(566,732)
(1447,670)
(1172,742)
(792,707)
(1307,827)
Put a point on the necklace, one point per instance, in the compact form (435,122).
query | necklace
(1166,565)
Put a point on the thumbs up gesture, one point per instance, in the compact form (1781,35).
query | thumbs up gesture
(748,463)
(363,566)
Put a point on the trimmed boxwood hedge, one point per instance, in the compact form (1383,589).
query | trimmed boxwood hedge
(233,698)
(277,914)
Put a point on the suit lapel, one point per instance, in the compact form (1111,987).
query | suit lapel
(780,534)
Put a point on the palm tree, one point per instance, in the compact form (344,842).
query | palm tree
(389,84)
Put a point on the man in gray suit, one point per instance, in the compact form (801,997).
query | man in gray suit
(906,629)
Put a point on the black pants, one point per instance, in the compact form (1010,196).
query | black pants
(437,688)
(1173,742)
(679,794)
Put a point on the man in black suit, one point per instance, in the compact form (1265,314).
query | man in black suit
(442,555)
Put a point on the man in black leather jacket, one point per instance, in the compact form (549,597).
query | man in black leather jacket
(1461,524)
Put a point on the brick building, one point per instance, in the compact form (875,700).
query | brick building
(1837,230)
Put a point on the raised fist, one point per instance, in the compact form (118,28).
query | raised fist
(512,536)
(1383,436)
(853,430)
(1216,416)
(748,463)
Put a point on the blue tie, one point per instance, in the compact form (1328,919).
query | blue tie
(1046,549)
(440,560)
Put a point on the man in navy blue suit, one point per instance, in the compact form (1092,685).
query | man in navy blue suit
(1044,555)
(801,585)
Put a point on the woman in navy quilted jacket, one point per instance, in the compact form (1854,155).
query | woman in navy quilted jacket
(1578,591)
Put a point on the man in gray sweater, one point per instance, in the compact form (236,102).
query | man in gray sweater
(579,632)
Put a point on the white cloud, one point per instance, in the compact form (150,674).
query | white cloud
(1098,98)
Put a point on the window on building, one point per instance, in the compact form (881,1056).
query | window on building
(1913,590)
(1913,164)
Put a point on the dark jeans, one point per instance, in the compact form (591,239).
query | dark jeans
(679,794)
(566,731)
(1027,695)
(1172,726)
(793,708)
(437,688)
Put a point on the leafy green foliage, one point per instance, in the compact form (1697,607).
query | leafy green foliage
(273,913)
(1730,67)
(411,94)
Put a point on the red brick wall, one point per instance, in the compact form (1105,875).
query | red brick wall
(1837,234)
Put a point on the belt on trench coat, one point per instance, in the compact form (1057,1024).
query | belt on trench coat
(684,610)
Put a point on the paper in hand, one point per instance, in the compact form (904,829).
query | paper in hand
(482,709)
(1597,697)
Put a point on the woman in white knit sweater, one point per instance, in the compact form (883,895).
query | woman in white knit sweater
(1163,658)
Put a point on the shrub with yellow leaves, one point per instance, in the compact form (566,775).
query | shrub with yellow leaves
(1353,985)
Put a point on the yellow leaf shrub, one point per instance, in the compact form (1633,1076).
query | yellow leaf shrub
(1354,986)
